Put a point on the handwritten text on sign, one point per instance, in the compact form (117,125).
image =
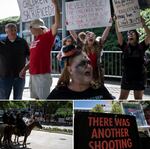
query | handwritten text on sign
(128,14)
(88,14)
(33,9)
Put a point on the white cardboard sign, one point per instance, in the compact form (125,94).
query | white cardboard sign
(33,9)
(128,14)
(87,14)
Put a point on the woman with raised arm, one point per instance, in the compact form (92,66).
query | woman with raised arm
(133,75)
(93,49)
(40,60)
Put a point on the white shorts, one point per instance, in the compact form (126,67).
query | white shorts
(40,85)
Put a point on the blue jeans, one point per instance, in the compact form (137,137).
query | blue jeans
(7,84)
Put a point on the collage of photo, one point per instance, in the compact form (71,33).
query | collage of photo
(90,124)
(75,74)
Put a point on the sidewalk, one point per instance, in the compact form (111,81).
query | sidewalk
(113,87)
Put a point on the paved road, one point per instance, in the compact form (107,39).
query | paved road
(46,140)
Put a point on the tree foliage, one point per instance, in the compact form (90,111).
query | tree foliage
(64,112)
(116,108)
(59,107)
(146,15)
(98,108)
(14,104)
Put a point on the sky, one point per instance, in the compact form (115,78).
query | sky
(9,8)
(85,104)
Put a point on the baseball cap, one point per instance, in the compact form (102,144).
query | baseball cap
(69,51)
(37,23)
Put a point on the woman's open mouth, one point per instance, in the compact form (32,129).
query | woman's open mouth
(130,38)
(88,73)
(91,40)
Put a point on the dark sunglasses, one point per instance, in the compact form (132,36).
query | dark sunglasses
(84,63)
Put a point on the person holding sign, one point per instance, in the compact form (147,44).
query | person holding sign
(39,66)
(76,79)
(134,75)
(93,49)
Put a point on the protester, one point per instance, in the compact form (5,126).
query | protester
(93,49)
(20,124)
(66,41)
(13,54)
(40,63)
(133,75)
(76,79)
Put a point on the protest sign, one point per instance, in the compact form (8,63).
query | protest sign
(87,14)
(33,9)
(105,131)
(128,14)
(136,110)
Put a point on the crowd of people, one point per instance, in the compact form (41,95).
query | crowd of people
(82,75)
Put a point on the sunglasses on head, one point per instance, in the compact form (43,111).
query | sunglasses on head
(84,63)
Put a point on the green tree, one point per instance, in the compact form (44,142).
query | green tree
(14,104)
(64,109)
(64,112)
(98,108)
(116,108)
(146,15)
